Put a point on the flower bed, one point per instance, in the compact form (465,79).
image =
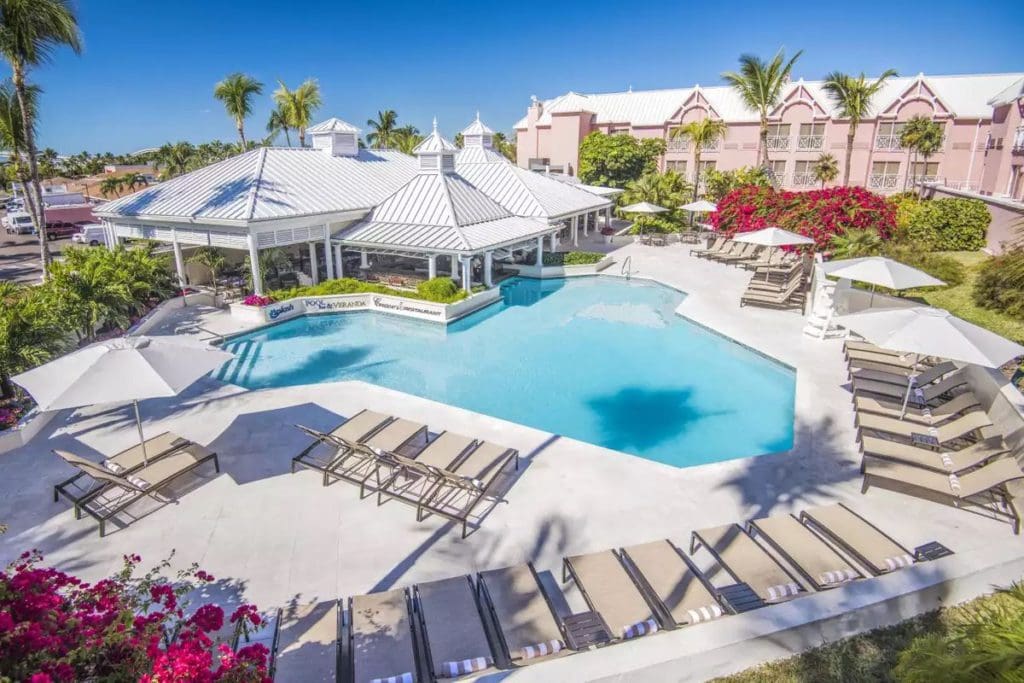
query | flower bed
(572,258)
(440,290)
(12,410)
(818,214)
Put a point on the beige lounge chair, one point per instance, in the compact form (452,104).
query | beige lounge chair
(927,394)
(787,297)
(525,622)
(610,591)
(126,462)
(747,562)
(854,345)
(857,358)
(451,628)
(899,378)
(866,543)
(767,259)
(815,559)
(747,252)
(380,638)
(964,427)
(120,491)
(949,462)
(411,480)
(672,584)
(400,436)
(715,246)
(941,413)
(731,247)
(978,487)
(328,449)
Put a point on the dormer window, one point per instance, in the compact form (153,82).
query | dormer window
(335,137)
(477,134)
(435,153)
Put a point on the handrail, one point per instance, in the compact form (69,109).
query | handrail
(220,338)
(625,266)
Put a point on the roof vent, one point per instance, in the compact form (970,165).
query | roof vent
(477,134)
(335,137)
(435,153)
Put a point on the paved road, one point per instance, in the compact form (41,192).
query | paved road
(19,256)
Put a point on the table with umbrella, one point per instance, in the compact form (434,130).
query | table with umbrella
(774,238)
(699,206)
(880,271)
(644,208)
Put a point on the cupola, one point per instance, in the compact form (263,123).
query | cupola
(335,137)
(477,134)
(435,153)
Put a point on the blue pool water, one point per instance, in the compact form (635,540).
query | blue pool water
(597,359)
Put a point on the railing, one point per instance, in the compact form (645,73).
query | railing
(625,266)
(879,181)
(888,142)
(964,185)
(924,179)
(778,142)
(810,143)
(803,180)
(711,146)
(678,145)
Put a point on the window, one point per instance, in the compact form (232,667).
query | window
(812,137)
(803,174)
(618,131)
(888,137)
(778,168)
(679,166)
(884,175)
(778,136)
(705,165)
(926,172)
(676,142)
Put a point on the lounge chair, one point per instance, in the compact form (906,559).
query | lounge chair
(524,619)
(747,562)
(126,462)
(854,345)
(328,448)
(815,559)
(672,584)
(978,487)
(122,490)
(782,299)
(457,492)
(731,247)
(610,591)
(380,638)
(400,436)
(716,246)
(747,252)
(949,462)
(412,479)
(941,413)
(767,259)
(920,394)
(922,379)
(452,628)
(866,543)
(963,428)
(856,358)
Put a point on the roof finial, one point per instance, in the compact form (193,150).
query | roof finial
(477,114)
(630,87)
(435,124)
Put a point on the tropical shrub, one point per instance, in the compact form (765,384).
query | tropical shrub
(440,289)
(818,214)
(31,333)
(1000,284)
(669,190)
(938,265)
(347,285)
(257,300)
(55,627)
(572,258)
(856,242)
(947,224)
(614,160)
(717,183)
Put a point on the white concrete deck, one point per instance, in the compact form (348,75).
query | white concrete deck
(277,538)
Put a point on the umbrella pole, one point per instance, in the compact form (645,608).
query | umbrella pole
(142,439)
(910,385)
(871,301)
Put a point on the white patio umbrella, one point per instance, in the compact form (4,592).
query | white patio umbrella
(927,331)
(699,206)
(879,270)
(644,207)
(772,237)
(121,370)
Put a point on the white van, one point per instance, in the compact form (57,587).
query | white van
(19,223)
(92,234)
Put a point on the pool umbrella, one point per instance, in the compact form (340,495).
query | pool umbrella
(927,331)
(121,370)
(699,206)
(772,237)
(879,270)
(644,207)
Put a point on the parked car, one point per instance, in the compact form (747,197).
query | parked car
(92,234)
(18,223)
(60,229)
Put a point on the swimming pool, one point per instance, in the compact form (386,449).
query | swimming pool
(598,359)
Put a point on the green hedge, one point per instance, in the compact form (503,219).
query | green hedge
(946,268)
(572,258)
(432,290)
(1000,284)
(948,224)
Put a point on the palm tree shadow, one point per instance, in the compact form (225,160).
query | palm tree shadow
(635,419)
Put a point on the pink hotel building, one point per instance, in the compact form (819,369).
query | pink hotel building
(983,150)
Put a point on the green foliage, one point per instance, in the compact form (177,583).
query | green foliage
(298,105)
(669,190)
(212,259)
(856,242)
(717,183)
(31,332)
(347,285)
(572,258)
(825,168)
(1000,284)
(948,224)
(440,289)
(853,97)
(615,160)
(236,92)
(946,268)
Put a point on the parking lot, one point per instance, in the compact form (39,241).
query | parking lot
(19,256)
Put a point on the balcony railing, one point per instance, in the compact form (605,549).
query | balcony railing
(888,142)
(678,145)
(924,179)
(810,143)
(803,180)
(710,146)
(778,143)
(880,181)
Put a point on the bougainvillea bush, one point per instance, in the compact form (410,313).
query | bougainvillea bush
(55,627)
(818,214)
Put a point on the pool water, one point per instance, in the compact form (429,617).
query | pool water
(598,359)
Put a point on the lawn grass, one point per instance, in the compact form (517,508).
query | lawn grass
(866,657)
(957,300)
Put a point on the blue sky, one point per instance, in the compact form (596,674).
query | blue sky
(148,68)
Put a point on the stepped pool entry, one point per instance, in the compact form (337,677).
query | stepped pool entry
(599,359)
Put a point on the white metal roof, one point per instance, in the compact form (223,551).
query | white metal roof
(477,128)
(332,125)
(966,95)
(272,182)
(1010,94)
(434,143)
(477,154)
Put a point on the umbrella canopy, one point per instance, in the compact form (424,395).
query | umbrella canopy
(930,331)
(643,207)
(120,370)
(772,237)
(700,206)
(882,271)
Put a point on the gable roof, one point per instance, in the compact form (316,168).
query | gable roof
(332,125)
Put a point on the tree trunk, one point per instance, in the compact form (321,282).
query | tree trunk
(302,137)
(696,171)
(287,136)
(920,191)
(762,144)
(6,386)
(38,215)
(241,133)
(849,155)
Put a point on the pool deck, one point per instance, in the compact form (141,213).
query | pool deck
(277,538)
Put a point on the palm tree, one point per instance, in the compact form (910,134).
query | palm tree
(12,129)
(111,185)
(236,92)
(212,259)
(175,158)
(852,96)
(760,84)
(278,123)
(30,333)
(825,169)
(923,137)
(381,129)
(701,133)
(30,30)
(298,105)
(405,139)
(130,181)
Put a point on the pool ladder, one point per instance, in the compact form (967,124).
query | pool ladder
(625,266)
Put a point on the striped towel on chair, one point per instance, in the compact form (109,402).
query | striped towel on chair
(704,613)
(113,466)
(640,629)
(466,666)
(540,649)
(837,576)
(400,678)
(898,562)
(783,590)
(137,482)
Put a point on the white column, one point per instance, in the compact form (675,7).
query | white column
(467,274)
(254,263)
(179,263)
(432,266)
(314,272)
(364,260)
(554,241)
(329,257)
(608,217)
(488,264)
(586,224)
(339,264)
(540,251)
(575,231)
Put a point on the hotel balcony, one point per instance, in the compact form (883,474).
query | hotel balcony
(678,145)
(712,146)
(778,143)
(803,180)
(810,143)
(890,143)
(924,179)
(879,181)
